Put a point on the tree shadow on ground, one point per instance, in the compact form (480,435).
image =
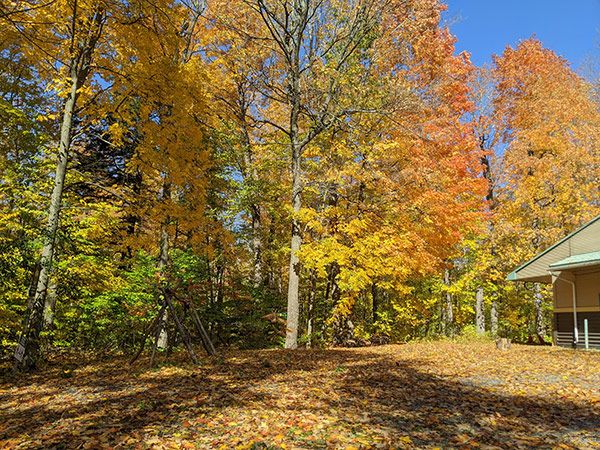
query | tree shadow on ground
(395,396)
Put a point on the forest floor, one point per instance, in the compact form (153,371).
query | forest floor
(421,395)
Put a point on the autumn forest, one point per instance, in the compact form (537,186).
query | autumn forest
(198,175)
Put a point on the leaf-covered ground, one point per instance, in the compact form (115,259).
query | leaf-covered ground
(424,395)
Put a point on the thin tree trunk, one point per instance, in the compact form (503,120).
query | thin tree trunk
(255,216)
(27,352)
(250,173)
(218,325)
(479,312)
(293,306)
(33,285)
(269,265)
(494,318)
(295,29)
(538,301)
(256,245)
(310,311)
(332,273)
(50,302)
(448,319)
(163,335)
(375,298)
(163,262)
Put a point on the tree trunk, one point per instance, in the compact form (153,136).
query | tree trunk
(538,301)
(293,304)
(298,32)
(163,335)
(250,173)
(50,302)
(162,341)
(256,245)
(293,298)
(163,262)
(479,312)
(271,274)
(310,309)
(494,318)
(254,207)
(27,352)
(448,318)
(33,285)
(375,298)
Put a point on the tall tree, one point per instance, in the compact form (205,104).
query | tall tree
(307,92)
(63,36)
(549,174)
(485,128)
(399,188)
(165,90)
(550,128)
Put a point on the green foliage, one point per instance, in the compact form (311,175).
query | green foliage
(103,310)
(24,165)
(469,334)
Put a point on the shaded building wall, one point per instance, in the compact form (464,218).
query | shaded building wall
(587,285)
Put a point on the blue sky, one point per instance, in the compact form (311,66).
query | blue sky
(484,27)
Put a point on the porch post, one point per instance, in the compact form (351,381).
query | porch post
(575,329)
(557,276)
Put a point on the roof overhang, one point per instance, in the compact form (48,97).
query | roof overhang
(577,262)
(514,276)
(559,257)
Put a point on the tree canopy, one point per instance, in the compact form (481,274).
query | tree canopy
(263,173)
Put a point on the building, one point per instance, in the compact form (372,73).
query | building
(572,265)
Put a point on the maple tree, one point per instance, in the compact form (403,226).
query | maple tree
(550,125)
(168,111)
(313,45)
(548,177)
(536,123)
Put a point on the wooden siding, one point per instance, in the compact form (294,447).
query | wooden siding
(588,291)
(563,324)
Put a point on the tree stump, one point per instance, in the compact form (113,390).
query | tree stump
(503,344)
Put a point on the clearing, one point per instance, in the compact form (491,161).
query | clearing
(423,395)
